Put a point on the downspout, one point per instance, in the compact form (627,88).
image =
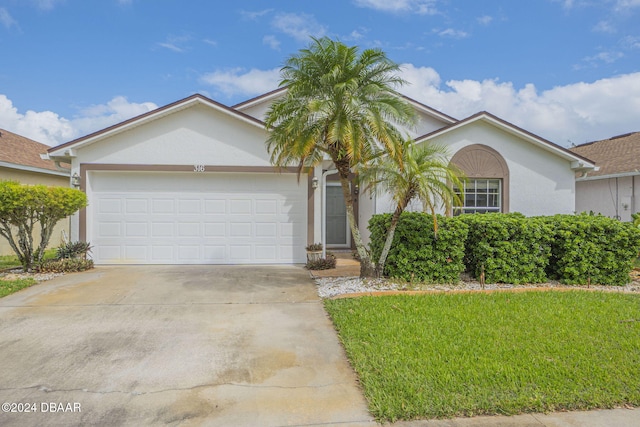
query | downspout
(323,216)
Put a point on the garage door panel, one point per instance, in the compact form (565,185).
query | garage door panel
(215,229)
(215,206)
(162,206)
(207,218)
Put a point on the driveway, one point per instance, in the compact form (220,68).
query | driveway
(175,345)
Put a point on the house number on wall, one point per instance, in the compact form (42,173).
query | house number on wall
(198,168)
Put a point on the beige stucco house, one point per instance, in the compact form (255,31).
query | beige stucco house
(20,161)
(614,189)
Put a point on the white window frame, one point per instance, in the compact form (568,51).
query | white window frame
(470,186)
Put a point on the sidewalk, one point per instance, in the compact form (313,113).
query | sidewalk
(597,418)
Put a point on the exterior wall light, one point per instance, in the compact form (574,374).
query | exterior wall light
(314,182)
(75,180)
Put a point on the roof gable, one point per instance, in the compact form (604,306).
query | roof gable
(578,162)
(274,94)
(66,149)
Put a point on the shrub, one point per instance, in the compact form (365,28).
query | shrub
(24,206)
(66,265)
(322,263)
(416,254)
(73,250)
(592,249)
(509,248)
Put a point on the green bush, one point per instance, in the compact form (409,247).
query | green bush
(73,250)
(592,249)
(509,248)
(416,254)
(66,265)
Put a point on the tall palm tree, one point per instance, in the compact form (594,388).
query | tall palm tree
(341,104)
(423,172)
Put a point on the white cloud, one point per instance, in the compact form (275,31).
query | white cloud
(485,19)
(254,15)
(239,81)
(623,5)
(51,129)
(421,7)
(452,33)
(115,111)
(6,19)
(300,26)
(272,42)
(176,43)
(604,27)
(608,57)
(47,4)
(578,112)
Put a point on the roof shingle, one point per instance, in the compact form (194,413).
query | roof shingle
(618,154)
(22,151)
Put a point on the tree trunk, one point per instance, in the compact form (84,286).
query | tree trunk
(367,268)
(388,241)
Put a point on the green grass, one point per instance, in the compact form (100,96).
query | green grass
(446,355)
(8,287)
(11,261)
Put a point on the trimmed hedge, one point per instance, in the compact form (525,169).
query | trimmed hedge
(416,255)
(592,249)
(510,248)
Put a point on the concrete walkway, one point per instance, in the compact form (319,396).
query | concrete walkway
(175,345)
(600,418)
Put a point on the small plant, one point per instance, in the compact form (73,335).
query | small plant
(73,250)
(314,247)
(66,265)
(322,263)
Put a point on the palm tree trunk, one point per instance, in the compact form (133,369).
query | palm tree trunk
(367,268)
(388,241)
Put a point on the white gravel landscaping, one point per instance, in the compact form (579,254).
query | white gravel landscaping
(329,287)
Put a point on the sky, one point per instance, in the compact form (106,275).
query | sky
(566,70)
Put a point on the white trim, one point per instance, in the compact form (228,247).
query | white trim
(32,169)
(612,175)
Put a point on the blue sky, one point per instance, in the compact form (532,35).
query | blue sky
(567,70)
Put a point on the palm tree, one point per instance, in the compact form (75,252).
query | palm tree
(341,104)
(423,172)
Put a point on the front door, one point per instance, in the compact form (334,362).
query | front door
(338,235)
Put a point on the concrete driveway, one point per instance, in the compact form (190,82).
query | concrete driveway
(175,345)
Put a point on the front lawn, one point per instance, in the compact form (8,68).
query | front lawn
(8,287)
(446,355)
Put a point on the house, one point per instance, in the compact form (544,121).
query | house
(191,183)
(614,188)
(20,161)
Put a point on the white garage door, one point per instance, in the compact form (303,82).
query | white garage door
(196,218)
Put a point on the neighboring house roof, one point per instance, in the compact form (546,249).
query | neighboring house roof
(578,162)
(19,152)
(617,155)
(66,150)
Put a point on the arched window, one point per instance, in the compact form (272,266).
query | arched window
(487,186)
